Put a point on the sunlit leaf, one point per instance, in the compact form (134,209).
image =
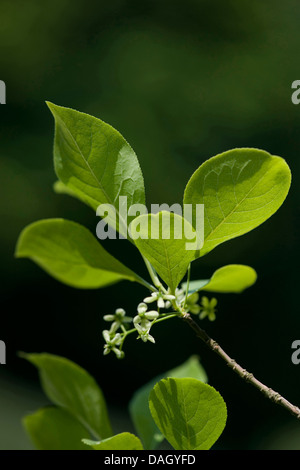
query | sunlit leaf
(71,254)
(95,162)
(240,189)
(139,407)
(165,239)
(233,278)
(190,414)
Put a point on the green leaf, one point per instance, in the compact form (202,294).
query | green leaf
(190,414)
(233,278)
(72,388)
(169,256)
(55,429)
(240,189)
(189,369)
(139,407)
(195,286)
(123,441)
(94,161)
(61,188)
(71,254)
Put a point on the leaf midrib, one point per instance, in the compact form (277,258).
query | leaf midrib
(90,169)
(83,265)
(168,262)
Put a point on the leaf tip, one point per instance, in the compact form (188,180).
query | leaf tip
(22,355)
(53,107)
(49,104)
(30,357)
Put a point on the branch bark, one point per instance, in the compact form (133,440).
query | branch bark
(243,373)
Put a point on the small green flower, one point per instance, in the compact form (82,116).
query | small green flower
(118,319)
(180,296)
(143,331)
(112,340)
(142,307)
(168,298)
(208,308)
(163,300)
(195,309)
(192,305)
(143,322)
(143,314)
(146,337)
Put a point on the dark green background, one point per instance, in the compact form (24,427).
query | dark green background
(182,81)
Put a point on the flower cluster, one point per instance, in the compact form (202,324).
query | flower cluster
(142,322)
(118,319)
(190,303)
(144,319)
(206,308)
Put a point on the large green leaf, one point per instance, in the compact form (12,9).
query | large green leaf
(122,441)
(233,278)
(139,407)
(169,253)
(190,414)
(55,429)
(72,388)
(95,162)
(71,254)
(240,189)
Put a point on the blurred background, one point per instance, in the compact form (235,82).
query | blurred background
(182,81)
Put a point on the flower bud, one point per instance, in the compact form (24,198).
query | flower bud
(153,298)
(142,308)
(169,297)
(120,311)
(106,335)
(118,353)
(109,317)
(152,315)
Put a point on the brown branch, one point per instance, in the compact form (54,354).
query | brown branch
(243,373)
